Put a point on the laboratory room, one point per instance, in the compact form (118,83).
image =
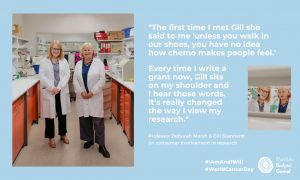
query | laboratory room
(72,89)
(269,98)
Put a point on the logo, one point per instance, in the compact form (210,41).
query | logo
(265,165)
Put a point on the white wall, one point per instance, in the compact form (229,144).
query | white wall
(269,76)
(67,37)
(18,19)
(71,23)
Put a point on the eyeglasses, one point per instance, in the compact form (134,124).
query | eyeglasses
(87,50)
(264,91)
(56,49)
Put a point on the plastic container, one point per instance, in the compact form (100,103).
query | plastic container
(36,68)
(105,64)
(127,32)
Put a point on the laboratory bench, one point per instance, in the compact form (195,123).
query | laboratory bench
(122,105)
(25,110)
(269,121)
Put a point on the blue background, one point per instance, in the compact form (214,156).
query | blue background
(280,19)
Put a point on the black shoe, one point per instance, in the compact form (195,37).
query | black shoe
(104,151)
(88,144)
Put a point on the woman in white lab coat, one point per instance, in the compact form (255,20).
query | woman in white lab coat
(284,96)
(89,79)
(262,104)
(55,98)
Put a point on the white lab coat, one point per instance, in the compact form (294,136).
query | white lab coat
(46,74)
(253,106)
(288,108)
(95,82)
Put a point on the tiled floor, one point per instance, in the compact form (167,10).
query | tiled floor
(38,153)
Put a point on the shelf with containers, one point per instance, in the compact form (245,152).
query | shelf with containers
(131,38)
(128,47)
(128,42)
(109,43)
(18,43)
(20,53)
(70,46)
(109,47)
(114,47)
(42,48)
(115,42)
(71,42)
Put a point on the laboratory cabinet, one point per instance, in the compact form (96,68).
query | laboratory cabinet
(18,124)
(107,99)
(32,106)
(25,112)
(127,111)
(123,108)
(114,99)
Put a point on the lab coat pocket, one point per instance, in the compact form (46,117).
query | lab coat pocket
(65,103)
(45,103)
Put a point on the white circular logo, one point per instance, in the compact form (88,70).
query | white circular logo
(265,165)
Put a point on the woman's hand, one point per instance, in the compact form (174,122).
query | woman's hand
(85,95)
(90,94)
(55,91)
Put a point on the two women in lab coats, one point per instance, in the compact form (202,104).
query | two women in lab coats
(262,104)
(88,80)
(55,99)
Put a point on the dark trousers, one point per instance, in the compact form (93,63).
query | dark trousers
(92,129)
(62,121)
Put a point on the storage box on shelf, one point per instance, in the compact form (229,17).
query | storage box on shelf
(113,47)
(115,35)
(109,35)
(101,35)
(128,32)
(17,30)
(116,48)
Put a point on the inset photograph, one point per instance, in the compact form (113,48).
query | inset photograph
(269,98)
